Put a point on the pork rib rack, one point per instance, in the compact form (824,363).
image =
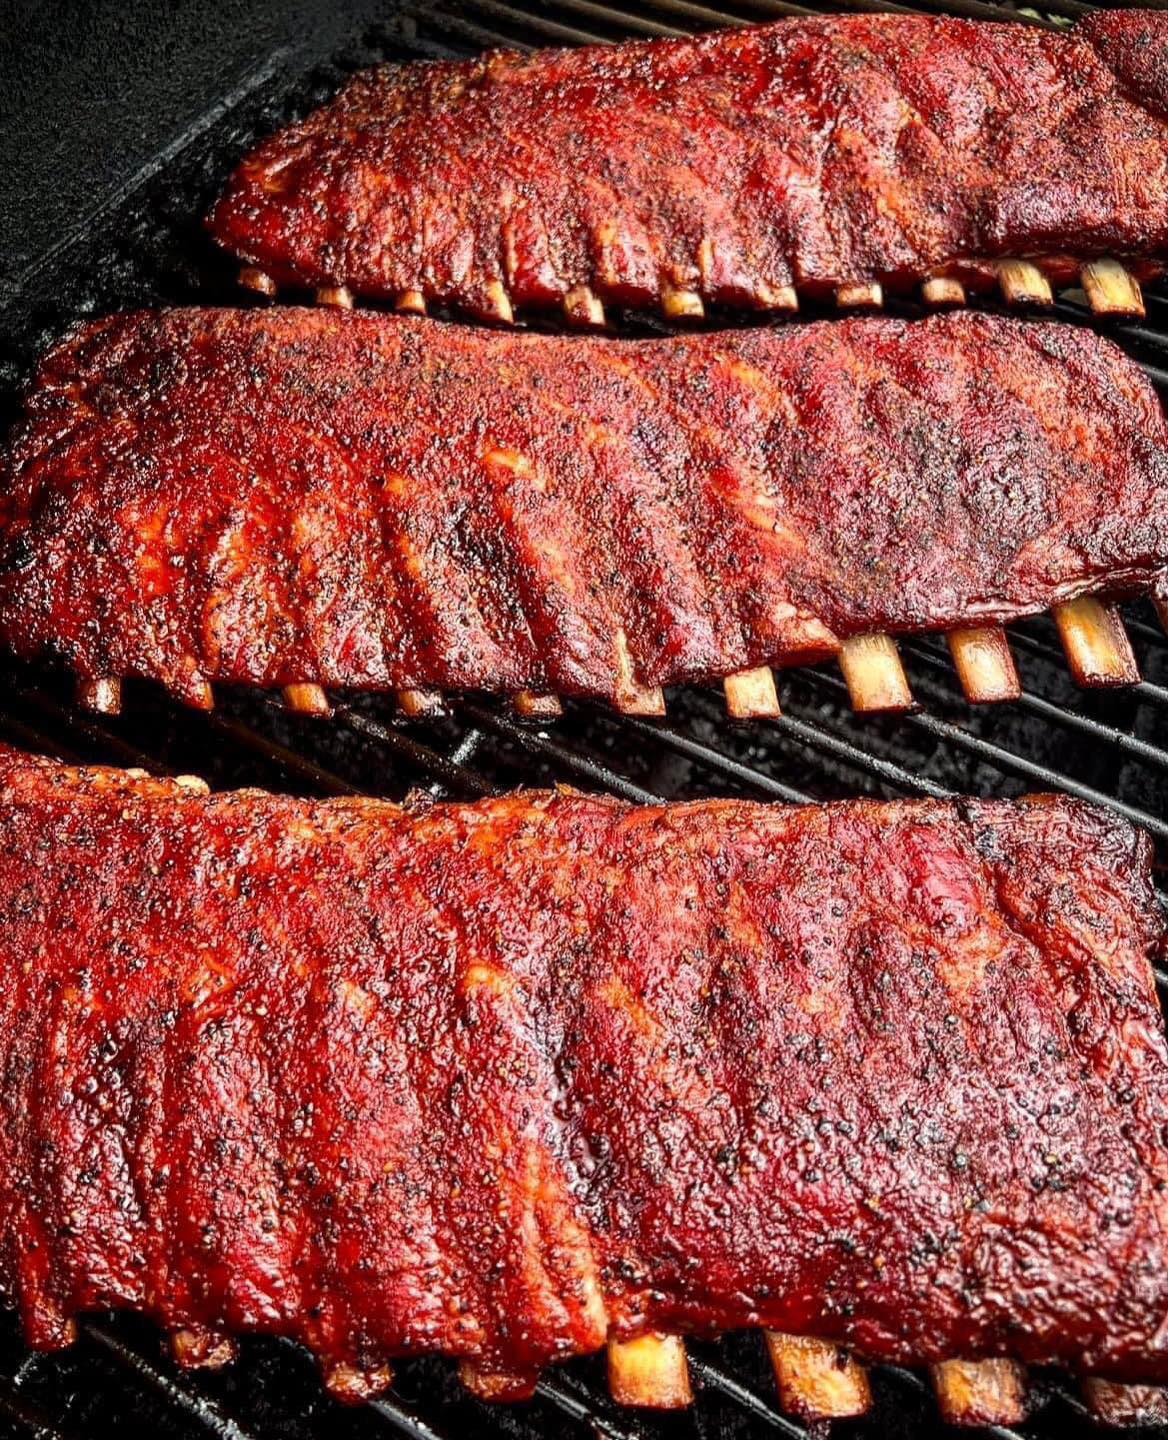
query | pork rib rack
(514,1080)
(319,498)
(830,155)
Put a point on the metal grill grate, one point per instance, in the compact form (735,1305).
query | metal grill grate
(145,247)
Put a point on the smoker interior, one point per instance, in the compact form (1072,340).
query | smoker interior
(145,246)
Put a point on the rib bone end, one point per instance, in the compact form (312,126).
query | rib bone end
(777,297)
(859,296)
(682,304)
(354,1386)
(196,692)
(1096,644)
(410,302)
(583,307)
(650,1371)
(418,703)
(533,706)
(192,784)
(984,664)
(817,1380)
(497,1385)
(251,277)
(102,695)
(981,1392)
(1126,1406)
(630,696)
(875,677)
(943,290)
(339,296)
(1023,283)
(194,1348)
(1112,290)
(497,304)
(307,700)
(751,694)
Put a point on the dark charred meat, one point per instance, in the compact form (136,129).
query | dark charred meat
(503,1080)
(809,153)
(319,496)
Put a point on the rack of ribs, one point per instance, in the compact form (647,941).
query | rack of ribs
(317,498)
(517,1080)
(826,156)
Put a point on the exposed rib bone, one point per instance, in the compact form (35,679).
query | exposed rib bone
(198,1349)
(338,295)
(1125,1405)
(533,706)
(679,303)
(582,307)
(1024,283)
(631,697)
(777,297)
(498,303)
(856,297)
(751,694)
(1112,290)
(307,700)
(818,1380)
(1096,644)
(102,694)
(418,703)
(410,302)
(354,1386)
(985,665)
(875,676)
(980,1392)
(197,693)
(650,1371)
(194,783)
(494,1385)
(943,290)
(251,277)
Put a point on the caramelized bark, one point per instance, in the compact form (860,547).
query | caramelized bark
(320,497)
(812,153)
(509,1080)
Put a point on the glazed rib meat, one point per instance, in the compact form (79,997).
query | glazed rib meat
(289,496)
(807,153)
(502,1080)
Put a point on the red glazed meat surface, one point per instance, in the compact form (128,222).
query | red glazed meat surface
(811,152)
(365,501)
(501,1080)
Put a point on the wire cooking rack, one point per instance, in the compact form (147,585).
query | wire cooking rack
(146,248)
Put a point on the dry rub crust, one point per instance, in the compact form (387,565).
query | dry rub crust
(813,152)
(354,500)
(498,1080)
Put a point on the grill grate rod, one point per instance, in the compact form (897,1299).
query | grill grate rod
(586,1408)
(198,1407)
(402,1420)
(745,1398)
(539,742)
(550,30)
(15,1409)
(1133,745)
(450,772)
(1144,690)
(1014,764)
